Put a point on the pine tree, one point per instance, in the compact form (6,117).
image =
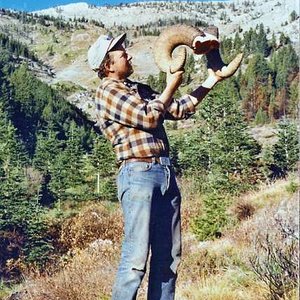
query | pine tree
(100,168)
(210,224)
(221,147)
(20,214)
(273,43)
(47,148)
(253,85)
(19,209)
(66,173)
(294,102)
(230,155)
(5,95)
(262,42)
(293,16)
(272,109)
(267,161)
(261,117)
(73,154)
(189,69)
(237,43)
(12,152)
(286,150)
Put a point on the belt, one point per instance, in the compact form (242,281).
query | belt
(165,161)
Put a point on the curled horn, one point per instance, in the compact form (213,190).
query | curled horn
(168,40)
(200,42)
(214,61)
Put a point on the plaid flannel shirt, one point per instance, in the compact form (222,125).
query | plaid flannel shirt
(131,116)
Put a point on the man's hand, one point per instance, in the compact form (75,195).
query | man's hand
(174,80)
(212,79)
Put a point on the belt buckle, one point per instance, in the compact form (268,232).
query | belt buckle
(165,161)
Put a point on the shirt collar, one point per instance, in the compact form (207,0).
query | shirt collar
(128,83)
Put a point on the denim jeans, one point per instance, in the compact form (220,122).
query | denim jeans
(150,201)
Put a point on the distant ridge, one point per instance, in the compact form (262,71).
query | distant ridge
(31,5)
(229,15)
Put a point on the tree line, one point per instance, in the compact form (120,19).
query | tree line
(268,86)
(48,155)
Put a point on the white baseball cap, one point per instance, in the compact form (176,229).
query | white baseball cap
(99,49)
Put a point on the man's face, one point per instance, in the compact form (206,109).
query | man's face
(120,63)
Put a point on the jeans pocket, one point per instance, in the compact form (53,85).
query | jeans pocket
(122,182)
(139,166)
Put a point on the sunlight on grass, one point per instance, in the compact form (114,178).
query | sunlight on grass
(234,284)
(274,193)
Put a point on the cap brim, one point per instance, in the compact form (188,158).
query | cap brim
(117,41)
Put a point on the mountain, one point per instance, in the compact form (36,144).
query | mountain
(60,36)
(272,13)
(69,57)
(227,15)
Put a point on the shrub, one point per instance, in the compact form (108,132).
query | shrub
(214,218)
(243,210)
(92,223)
(275,257)
(88,276)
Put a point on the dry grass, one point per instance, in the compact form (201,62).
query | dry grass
(87,270)
(220,269)
(95,221)
(269,194)
(232,284)
(213,270)
(268,202)
(88,276)
(270,241)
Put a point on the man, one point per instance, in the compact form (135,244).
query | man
(131,116)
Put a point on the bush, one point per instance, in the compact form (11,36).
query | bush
(275,257)
(243,210)
(214,218)
(92,223)
(88,276)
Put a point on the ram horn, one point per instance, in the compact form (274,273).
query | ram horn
(214,62)
(179,35)
(199,41)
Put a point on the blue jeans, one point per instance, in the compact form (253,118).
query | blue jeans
(150,201)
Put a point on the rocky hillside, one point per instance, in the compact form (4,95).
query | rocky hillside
(228,15)
(69,59)
(64,49)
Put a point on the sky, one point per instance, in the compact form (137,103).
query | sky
(32,5)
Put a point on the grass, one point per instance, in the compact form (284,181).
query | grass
(272,194)
(212,270)
(6,290)
(233,284)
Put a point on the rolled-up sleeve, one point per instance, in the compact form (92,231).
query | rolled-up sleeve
(117,103)
(182,108)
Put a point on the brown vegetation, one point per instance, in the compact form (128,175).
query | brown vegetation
(92,223)
(88,276)
(221,269)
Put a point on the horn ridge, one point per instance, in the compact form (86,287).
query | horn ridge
(168,40)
